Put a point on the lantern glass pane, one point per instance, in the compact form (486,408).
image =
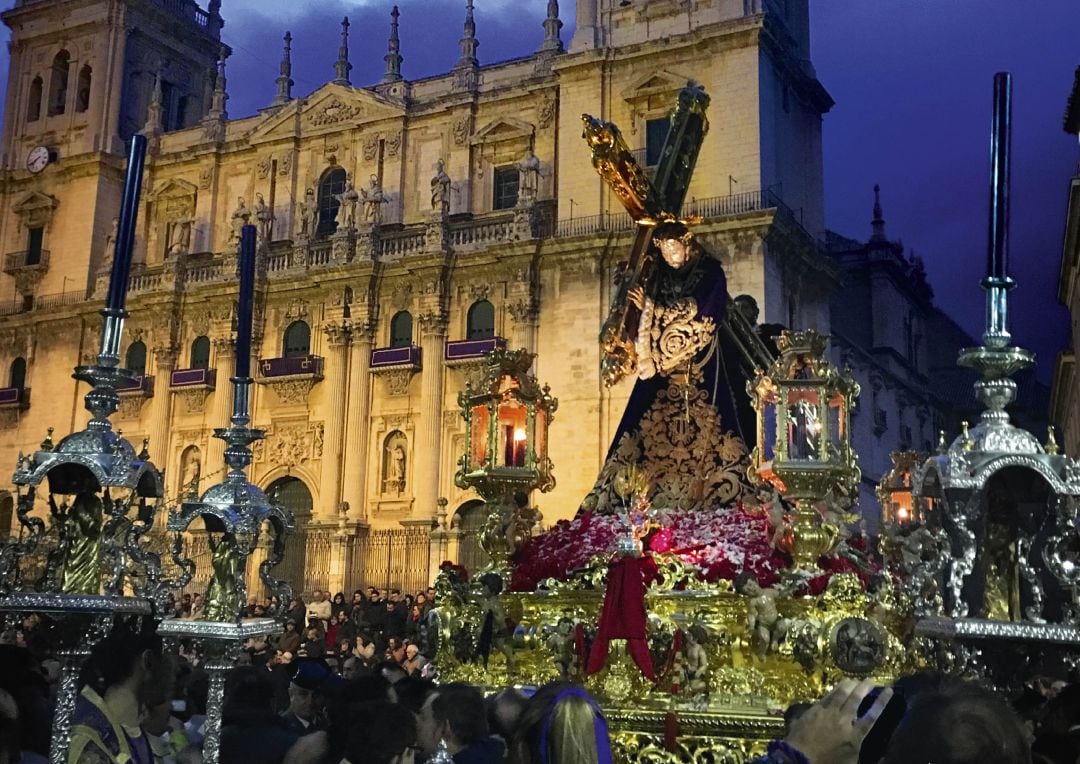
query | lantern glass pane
(768,429)
(836,422)
(804,424)
(540,435)
(480,436)
(512,434)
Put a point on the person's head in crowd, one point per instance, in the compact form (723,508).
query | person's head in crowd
(390,606)
(561,724)
(129,661)
(358,596)
(409,600)
(413,691)
(339,598)
(317,596)
(350,668)
(375,596)
(958,722)
(431,593)
(290,626)
(249,696)
(421,599)
(196,599)
(275,602)
(455,713)
(259,611)
(395,595)
(286,658)
(312,633)
(186,598)
(504,709)
(305,690)
(411,651)
(380,733)
(417,612)
(391,671)
(342,616)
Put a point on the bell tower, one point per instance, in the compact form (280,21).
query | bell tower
(83,72)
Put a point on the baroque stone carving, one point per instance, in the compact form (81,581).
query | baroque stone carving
(332,112)
(461,131)
(545,112)
(194,399)
(371,147)
(130,407)
(397,380)
(393,144)
(206,177)
(263,168)
(294,445)
(291,392)
(285,165)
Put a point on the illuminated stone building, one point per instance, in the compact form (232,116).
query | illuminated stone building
(476,220)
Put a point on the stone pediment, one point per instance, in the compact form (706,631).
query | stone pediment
(502,130)
(660,82)
(36,208)
(330,108)
(174,188)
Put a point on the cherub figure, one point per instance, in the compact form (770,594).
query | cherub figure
(695,667)
(773,505)
(766,626)
(561,644)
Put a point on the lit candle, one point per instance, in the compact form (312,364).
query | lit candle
(519,447)
(125,227)
(245,301)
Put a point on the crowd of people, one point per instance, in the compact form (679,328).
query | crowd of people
(286,703)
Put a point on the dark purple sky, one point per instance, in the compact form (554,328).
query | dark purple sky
(912,84)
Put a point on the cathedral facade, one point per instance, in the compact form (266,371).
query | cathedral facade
(406,228)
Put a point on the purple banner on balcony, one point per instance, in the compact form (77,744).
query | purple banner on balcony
(14,396)
(403,356)
(463,350)
(288,367)
(143,384)
(193,378)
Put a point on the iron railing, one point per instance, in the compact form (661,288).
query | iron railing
(28,258)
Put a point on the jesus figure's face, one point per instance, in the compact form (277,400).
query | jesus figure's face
(674,252)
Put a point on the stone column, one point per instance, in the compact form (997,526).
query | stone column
(425,452)
(337,340)
(440,540)
(158,432)
(354,489)
(221,409)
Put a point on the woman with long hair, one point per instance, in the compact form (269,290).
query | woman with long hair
(562,724)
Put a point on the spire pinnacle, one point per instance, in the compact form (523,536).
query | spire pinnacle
(393,50)
(219,97)
(878,223)
(342,67)
(552,26)
(468,42)
(284,80)
(153,111)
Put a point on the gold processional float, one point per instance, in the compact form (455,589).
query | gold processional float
(976,570)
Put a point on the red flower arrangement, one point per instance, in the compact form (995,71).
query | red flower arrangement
(720,543)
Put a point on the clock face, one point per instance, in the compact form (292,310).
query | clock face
(37,159)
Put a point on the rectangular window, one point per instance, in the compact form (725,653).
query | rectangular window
(34,239)
(656,132)
(506,188)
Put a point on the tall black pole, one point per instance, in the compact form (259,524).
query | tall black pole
(125,228)
(997,252)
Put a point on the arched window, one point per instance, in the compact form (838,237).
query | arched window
(58,83)
(33,104)
(292,494)
(82,90)
(200,353)
(480,324)
(17,377)
(297,340)
(136,358)
(401,329)
(332,184)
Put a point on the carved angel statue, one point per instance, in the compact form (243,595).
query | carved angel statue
(82,528)
(347,200)
(374,199)
(440,190)
(695,666)
(766,627)
(222,594)
(528,177)
(189,481)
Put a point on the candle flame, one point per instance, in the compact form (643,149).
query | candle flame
(519,435)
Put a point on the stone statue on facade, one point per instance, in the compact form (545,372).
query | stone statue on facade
(440,190)
(528,178)
(309,212)
(347,200)
(178,236)
(192,471)
(395,467)
(264,218)
(241,217)
(374,199)
(110,245)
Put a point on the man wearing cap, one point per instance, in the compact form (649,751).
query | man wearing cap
(304,713)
